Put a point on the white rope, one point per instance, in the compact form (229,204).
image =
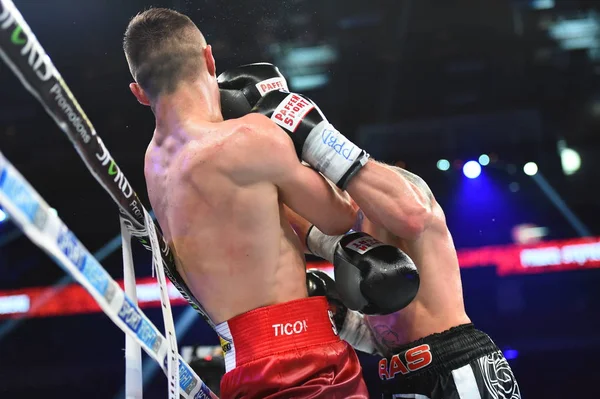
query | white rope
(172,361)
(133,351)
(24,55)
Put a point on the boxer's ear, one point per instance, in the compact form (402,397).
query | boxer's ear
(138,92)
(210,61)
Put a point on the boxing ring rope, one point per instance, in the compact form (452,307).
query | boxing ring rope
(44,228)
(134,387)
(21,51)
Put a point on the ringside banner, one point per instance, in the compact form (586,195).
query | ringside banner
(552,256)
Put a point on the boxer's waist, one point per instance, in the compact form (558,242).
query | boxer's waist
(437,353)
(276,329)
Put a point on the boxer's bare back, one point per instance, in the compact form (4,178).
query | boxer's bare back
(218,191)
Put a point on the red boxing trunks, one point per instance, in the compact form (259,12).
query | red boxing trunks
(289,350)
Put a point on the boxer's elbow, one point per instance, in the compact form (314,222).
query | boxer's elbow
(410,223)
(418,221)
(413,206)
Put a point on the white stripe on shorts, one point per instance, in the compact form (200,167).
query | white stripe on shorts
(465,382)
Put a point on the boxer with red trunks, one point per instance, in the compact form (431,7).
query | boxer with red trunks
(431,349)
(218,189)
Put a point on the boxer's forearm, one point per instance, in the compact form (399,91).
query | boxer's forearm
(300,226)
(395,199)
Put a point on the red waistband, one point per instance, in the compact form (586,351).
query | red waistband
(274,329)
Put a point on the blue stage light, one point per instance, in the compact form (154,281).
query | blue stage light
(443,164)
(472,169)
(484,160)
(511,354)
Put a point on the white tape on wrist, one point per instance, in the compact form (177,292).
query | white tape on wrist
(356,332)
(321,244)
(329,151)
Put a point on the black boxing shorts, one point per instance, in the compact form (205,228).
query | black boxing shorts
(461,363)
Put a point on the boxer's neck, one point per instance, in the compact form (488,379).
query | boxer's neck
(192,102)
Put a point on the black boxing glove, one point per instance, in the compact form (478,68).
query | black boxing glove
(317,142)
(370,276)
(350,325)
(318,283)
(242,87)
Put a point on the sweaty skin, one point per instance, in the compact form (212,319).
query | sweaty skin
(217,190)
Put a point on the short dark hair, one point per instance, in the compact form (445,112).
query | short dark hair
(163,47)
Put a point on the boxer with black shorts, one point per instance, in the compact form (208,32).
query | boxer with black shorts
(431,349)
(218,190)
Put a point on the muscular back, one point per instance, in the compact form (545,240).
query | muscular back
(222,216)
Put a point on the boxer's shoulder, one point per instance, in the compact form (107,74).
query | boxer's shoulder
(257,137)
(251,148)
(258,129)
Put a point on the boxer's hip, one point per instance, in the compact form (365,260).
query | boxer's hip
(462,362)
(288,350)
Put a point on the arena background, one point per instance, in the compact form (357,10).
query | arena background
(413,82)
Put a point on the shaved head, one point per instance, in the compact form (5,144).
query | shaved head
(164,48)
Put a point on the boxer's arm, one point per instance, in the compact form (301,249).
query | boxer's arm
(301,188)
(300,226)
(393,198)
(310,195)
